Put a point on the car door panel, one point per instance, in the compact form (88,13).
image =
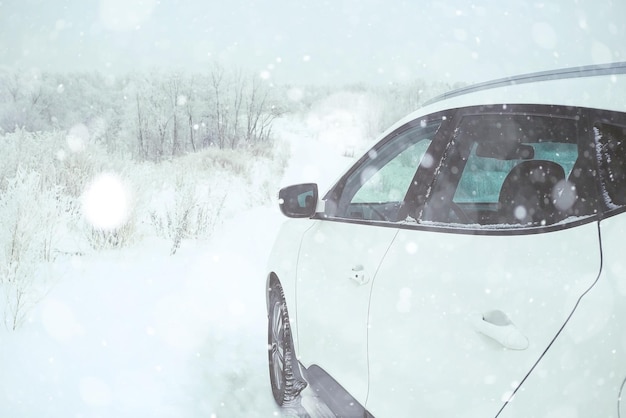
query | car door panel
(429,300)
(583,373)
(340,255)
(337,264)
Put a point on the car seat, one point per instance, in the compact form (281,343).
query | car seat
(527,195)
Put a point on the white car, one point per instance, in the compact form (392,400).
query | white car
(471,263)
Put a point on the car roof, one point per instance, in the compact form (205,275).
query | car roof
(594,86)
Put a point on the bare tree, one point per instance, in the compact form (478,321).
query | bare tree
(143,152)
(190,113)
(261,112)
(172,87)
(156,115)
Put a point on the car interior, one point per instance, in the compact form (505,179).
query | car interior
(510,170)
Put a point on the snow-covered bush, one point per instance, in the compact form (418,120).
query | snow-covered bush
(101,239)
(64,159)
(189,196)
(108,211)
(188,211)
(30,151)
(30,215)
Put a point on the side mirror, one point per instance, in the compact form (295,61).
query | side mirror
(298,201)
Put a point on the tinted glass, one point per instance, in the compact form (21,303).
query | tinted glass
(510,170)
(376,188)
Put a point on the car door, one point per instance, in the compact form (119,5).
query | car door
(468,299)
(340,255)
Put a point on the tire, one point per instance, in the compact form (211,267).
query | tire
(284,373)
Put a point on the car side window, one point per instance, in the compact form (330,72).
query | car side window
(482,180)
(375,189)
(391,181)
(513,169)
(611,145)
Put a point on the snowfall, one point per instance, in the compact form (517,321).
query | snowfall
(137,332)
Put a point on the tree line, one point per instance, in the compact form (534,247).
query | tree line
(150,116)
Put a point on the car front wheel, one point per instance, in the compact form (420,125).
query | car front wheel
(284,376)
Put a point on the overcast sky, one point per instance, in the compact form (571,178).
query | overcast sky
(314,41)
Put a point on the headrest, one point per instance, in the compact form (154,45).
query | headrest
(527,192)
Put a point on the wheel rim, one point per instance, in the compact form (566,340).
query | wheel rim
(278,345)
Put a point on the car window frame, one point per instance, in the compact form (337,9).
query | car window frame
(422,178)
(584,134)
(609,117)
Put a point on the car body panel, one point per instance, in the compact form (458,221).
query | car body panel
(584,371)
(534,279)
(333,297)
(282,265)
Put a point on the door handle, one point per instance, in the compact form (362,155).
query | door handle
(497,326)
(358,275)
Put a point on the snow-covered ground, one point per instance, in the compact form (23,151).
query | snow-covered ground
(139,333)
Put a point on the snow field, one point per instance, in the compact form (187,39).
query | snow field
(137,332)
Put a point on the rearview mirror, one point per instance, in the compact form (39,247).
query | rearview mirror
(505,150)
(298,201)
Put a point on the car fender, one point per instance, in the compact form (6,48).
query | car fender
(282,266)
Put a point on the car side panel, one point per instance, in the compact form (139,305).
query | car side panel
(432,290)
(283,261)
(332,305)
(583,372)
